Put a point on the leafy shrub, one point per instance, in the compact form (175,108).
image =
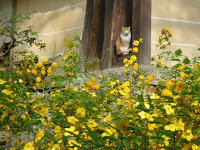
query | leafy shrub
(104,112)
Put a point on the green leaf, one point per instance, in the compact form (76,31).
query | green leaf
(186,61)
(168,52)
(78,37)
(77,46)
(174,59)
(178,52)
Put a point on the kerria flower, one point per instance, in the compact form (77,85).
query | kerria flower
(7,92)
(72,120)
(2,81)
(29,146)
(168,109)
(136,42)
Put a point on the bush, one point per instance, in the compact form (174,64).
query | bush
(103,112)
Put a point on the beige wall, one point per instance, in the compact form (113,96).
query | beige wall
(182,17)
(5,6)
(55,21)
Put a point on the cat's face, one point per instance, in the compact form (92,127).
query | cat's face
(125,30)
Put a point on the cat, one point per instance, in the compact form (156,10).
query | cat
(123,41)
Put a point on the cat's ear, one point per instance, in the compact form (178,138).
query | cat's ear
(122,27)
(129,28)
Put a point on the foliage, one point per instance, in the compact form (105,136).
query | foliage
(8,28)
(104,112)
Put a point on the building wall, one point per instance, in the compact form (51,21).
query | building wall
(55,21)
(182,18)
(6,7)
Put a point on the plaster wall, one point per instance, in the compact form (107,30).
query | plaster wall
(55,21)
(183,19)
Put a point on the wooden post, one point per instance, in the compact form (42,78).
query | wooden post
(108,35)
(86,31)
(94,30)
(113,24)
(141,28)
(145,55)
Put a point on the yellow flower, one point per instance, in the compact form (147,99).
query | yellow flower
(39,135)
(1,28)
(107,118)
(100,76)
(135,66)
(170,127)
(150,77)
(141,40)
(180,84)
(72,120)
(37,44)
(57,129)
(139,83)
(180,125)
(45,60)
(55,147)
(67,43)
(146,105)
(38,79)
(125,60)
(195,147)
(180,67)
(54,64)
(168,109)
(170,34)
(80,111)
(133,57)
(71,129)
(164,46)
(39,64)
(159,63)
(91,123)
(93,79)
(7,92)
(126,66)
(154,96)
(29,146)
(184,76)
(141,77)
(143,115)
(166,140)
(43,72)
(136,42)
(188,135)
(135,49)
(108,132)
(2,82)
(130,62)
(167,92)
(169,84)
(43,111)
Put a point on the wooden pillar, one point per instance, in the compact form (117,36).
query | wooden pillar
(141,28)
(108,35)
(114,20)
(86,31)
(93,29)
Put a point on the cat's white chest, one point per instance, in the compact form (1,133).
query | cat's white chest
(126,42)
(125,39)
